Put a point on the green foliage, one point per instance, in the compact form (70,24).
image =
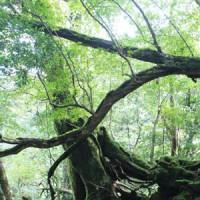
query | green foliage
(88,74)
(51,12)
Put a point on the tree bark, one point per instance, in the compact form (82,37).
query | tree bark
(88,177)
(147,55)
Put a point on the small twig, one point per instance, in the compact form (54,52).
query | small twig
(59,47)
(131,19)
(64,105)
(176,29)
(155,43)
(115,42)
(81,85)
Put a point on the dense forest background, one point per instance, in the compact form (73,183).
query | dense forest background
(82,63)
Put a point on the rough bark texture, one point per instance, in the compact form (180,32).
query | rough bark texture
(147,55)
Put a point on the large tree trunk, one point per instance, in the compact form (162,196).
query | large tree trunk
(89,179)
(5,192)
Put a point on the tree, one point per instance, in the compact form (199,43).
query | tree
(33,39)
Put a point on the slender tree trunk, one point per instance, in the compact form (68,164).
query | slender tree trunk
(4,186)
(173,126)
(153,139)
(190,125)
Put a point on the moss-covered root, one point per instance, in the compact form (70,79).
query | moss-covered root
(131,165)
(86,162)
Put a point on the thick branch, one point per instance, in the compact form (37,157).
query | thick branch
(23,143)
(147,55)
(130,85)
(110,99)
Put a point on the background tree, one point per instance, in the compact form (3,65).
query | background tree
(69,82)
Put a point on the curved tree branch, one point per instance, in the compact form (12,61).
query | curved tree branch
(109,100)
(24,143)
